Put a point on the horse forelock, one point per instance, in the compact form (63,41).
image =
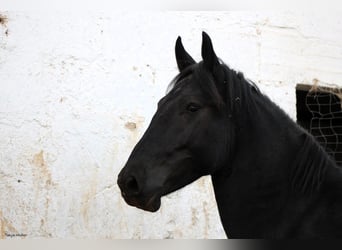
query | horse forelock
(237,88)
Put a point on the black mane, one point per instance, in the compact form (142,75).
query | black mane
(310,165)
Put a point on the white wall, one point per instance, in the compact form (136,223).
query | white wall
(79,89)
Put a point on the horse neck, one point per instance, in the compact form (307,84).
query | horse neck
(258,185)
(266,139)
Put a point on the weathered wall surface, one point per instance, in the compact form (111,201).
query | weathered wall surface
(78,90)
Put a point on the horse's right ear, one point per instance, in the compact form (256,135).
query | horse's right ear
(210,59)
(184,60)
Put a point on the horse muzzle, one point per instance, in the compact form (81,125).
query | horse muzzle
(133,194)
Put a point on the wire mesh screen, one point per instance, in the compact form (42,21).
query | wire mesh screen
(325,123)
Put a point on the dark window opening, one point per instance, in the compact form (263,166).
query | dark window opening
(319,112)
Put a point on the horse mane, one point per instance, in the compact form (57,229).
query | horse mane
(310,165)
(239,91)
(311,162)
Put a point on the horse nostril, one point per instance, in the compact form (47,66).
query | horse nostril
(132,185)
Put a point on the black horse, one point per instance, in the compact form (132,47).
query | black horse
(271,178)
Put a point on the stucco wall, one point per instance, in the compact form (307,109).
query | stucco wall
(79,89)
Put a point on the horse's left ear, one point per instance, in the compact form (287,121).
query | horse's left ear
(210,59)
(184,60)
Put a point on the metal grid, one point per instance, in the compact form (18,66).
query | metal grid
(326,122)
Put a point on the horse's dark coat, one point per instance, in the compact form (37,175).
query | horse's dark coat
(271,178)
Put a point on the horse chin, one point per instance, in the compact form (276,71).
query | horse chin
(151,205)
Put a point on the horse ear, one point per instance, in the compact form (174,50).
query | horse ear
(210,59)
(183,58)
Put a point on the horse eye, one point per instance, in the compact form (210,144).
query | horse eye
(193,107)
